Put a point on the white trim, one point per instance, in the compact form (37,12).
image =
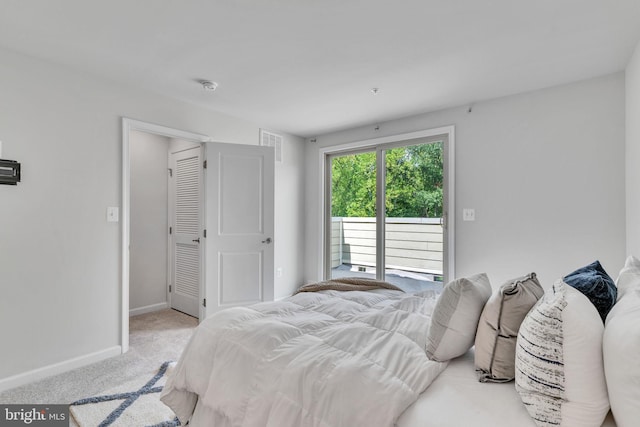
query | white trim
(381,224)
(148,309)
(369,143)
(451,205)
(129,125)
(349,146)
(58,368)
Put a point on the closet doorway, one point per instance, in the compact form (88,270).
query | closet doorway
(165,253)
(235,264)
(162,221)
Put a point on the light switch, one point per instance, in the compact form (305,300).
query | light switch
(113,214)
(468,214)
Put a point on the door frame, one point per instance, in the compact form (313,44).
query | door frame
(372,144)
(129,125)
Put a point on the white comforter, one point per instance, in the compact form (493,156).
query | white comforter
(324,359)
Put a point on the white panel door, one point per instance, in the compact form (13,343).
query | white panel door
(186,219)
(239,217)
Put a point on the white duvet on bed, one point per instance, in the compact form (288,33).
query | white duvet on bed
(324,359)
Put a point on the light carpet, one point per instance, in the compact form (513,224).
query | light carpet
(135,403)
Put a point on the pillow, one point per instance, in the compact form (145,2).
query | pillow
(455,317)
(495,353)
(629,277)
(596,284)
(621,347)
(559,367)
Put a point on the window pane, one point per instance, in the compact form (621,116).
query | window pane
(353,215)
(413,212)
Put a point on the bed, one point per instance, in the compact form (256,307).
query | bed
(324,358)
(333,358)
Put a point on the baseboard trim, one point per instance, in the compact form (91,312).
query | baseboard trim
(148,309)
(58,368)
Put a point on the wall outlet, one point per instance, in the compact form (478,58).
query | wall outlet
(279,272)
(113,214)
(468,214)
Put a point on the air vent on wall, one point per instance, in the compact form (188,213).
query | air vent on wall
(269,139)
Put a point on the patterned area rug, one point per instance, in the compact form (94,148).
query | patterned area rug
(136,403)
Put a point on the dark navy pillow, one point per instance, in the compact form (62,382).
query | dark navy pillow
(596,284)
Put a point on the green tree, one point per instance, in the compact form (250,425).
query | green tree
(353,185)
(413,183)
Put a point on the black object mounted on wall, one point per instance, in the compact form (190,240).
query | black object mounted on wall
(9,172)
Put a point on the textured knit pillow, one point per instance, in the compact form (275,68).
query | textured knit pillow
(495,351)
(559,368)
(596,284)
(455,317)
(621,347)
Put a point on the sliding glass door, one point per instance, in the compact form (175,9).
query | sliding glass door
(387,213)
(353,214)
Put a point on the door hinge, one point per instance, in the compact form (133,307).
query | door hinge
(204,164)
(169,288)
(170,172)
(170,230)
(204,234)
(204,302)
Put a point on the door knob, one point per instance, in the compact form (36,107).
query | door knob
(196,240)
(267,241)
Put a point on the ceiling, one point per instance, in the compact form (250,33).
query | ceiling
(307,67)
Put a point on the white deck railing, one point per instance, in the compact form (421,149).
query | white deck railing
(412,244)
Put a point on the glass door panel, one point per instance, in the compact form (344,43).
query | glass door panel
(414,236)
(353,215)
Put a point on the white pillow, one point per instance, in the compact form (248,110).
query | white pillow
(621,347)
(455,317)
(559,367)
(629,278)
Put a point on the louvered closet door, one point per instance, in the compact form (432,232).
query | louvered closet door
(186,234)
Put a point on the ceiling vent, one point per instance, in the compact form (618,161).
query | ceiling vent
(269,139)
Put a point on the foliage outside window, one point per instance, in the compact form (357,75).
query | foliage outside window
(413,183)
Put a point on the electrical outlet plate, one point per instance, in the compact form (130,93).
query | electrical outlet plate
(468,214)
(112,214)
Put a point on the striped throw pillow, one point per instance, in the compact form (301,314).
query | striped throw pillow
(559,367)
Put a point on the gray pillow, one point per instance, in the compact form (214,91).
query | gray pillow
(495,352)
(455,317)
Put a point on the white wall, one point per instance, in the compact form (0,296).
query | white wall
(544,171)
(176,145)
(289,220)
(632,77)
(149,222)
(59,258)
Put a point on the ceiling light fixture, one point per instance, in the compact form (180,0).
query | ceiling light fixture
(375,90)
(209,85)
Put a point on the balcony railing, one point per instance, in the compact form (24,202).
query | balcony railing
(412,244)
